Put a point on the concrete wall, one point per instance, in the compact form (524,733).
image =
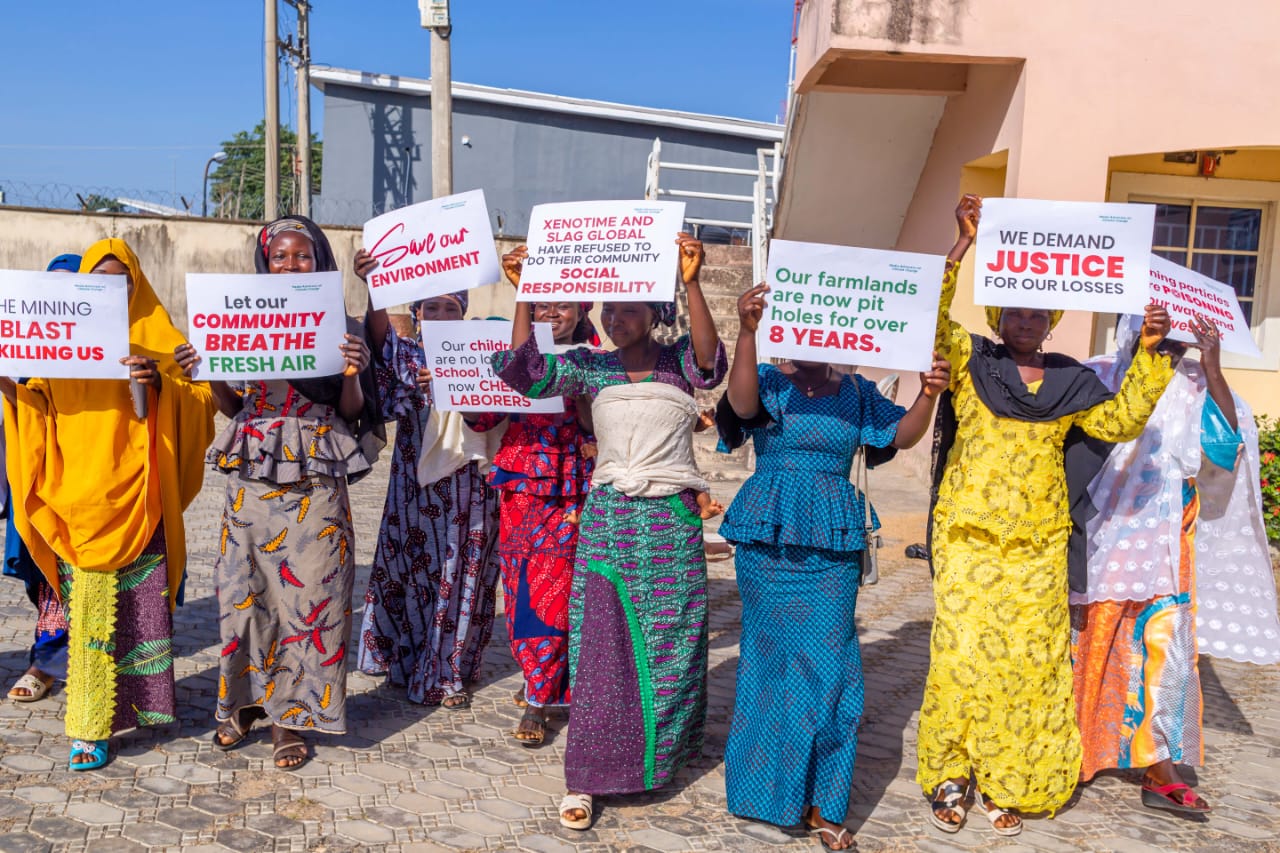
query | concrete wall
(378,158)
(171,248)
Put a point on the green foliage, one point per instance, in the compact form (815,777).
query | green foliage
(151,657)
(138,572)
(102,204)
(1269,447)
(236,185)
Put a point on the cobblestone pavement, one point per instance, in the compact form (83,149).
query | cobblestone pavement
(408,778)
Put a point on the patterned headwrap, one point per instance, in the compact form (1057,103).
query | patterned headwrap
(324,254)
(665,312)
(64,263)
(460,297)
(993,318)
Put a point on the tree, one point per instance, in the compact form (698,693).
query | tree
(236,186)
(102,204)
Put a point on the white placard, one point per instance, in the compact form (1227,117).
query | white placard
(430,249)
(844,305)
(608,251)
(1080,256)
(61,325)
(283,326)
(1185,293)
(462,378)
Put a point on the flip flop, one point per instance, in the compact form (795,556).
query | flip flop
(95,749)
(822,832)
(460,701)
(1161,797)
(571,802)
(36,688)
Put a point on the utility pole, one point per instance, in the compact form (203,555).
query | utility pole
(271,81)
(301,58)
(435,16)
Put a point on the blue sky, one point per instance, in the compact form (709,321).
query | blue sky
(138,99)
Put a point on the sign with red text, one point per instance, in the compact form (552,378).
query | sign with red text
(608,251)
(844,305)
(1185,293)
(1080,256)
(285,326)
(63,325)
(462,378)
(430,249)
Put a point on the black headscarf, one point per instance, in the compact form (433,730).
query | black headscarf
(1068,387)
(327,390)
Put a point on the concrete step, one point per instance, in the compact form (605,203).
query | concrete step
(719,254)
(726,279)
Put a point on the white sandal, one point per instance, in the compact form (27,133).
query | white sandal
(952,799)
(572,802)
(994,814)
(36,689)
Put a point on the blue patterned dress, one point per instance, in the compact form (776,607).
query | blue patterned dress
(638,606)
(798,526)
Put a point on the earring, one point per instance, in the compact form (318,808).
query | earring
(1049,336)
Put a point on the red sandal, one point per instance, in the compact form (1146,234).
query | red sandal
(1162,797)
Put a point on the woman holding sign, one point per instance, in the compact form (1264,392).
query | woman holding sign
(998,706)
(286,566)
(430,605)
(104,494)
(543,473)
(799,526)
(638,609)
(1178,530)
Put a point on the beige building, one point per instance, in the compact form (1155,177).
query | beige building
(903,105)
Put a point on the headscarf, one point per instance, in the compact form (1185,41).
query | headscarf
(664,312)
(327,390)
(64,263)
(993,318)
(98,481)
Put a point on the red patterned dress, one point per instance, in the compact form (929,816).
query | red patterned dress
(542,477)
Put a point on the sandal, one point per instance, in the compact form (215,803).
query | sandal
(519,699)
(95,749)
(1162,797)
(289,748)
(576,802)
(993,813)
(459,701)
(836,837)
(36,688)
(949,796)
(536,720)
(232,731)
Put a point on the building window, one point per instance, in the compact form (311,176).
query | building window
(1216,239)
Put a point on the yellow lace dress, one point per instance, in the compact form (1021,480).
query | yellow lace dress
(998,698)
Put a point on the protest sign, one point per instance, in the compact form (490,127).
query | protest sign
(462,379)
(1185,293)
(63,326)
(267,327)
(610,251)
(1063,254)
(430,249)
(850,306)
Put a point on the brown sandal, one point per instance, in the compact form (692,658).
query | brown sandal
(536,720)
(290,748)
(232,731)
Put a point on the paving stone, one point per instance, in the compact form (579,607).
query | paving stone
(441,790)
(25,762)
(22,842)
(277,826)
(216,805)
(60,829)
(545,844)
(244,840)
(127,798)
(192,773)
(481,824)
(163,786)
(459,838)
(114,845)
(41,794)
(419,804)
(153,834)
(364,831)
(95,813)
(394,818)
(185,819)
(504,809)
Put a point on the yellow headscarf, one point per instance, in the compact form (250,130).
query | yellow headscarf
(993,318)
(97,481)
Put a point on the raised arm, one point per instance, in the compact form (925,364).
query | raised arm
(1209,342)
(744,375)
(951,341)
(512,267)
(1123,417)
(375,318)
(702,327)
(919,418)
(538,375)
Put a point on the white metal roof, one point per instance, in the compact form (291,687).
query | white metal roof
(321,75)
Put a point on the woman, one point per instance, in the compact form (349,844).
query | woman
(637,611)
(48,658)
(285,565)
(997,702)
(1177,532)
(799,526)
(104,492)
(543,477)
(430,604)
